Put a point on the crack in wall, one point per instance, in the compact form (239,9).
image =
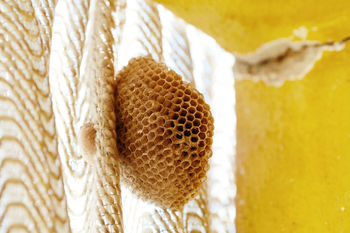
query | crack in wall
(282,60)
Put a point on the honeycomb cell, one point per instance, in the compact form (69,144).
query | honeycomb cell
(164,131)
(196,122)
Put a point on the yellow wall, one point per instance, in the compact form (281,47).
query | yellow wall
(293,152)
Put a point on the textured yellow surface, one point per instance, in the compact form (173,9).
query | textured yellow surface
(293,147)
(244,25)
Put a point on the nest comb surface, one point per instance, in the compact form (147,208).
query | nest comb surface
(164,133)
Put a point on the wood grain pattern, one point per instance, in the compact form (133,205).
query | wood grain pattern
(143,32)
(99,71)
(91,40)
(31,189)
(71,106)
(176,45)
(82,87)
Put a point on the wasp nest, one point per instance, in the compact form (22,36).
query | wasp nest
(164,133)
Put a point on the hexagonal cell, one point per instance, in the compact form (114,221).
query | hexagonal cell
(184,153)
(166,86)
(198,170)
(177,101)
(179,93)
(195,130)
(169,96)
(167,104)
(188,125)
(183,112)
(190,117)
(194,95)
(158,89)
(167,142)
(194,139)
(168,78)
(175,83)
(158,139)
(153,126)
(169,132)
(161,82)
(199,108)
(176,108)
(175,116)
(187,133)
(173,90)
(196,122)
(201,153)
(196,163)
(191,110)
(160,131)
(185,105)
(198,115)
(161,122)
(145,121)
(186,98)
(203,128)
(180,128)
